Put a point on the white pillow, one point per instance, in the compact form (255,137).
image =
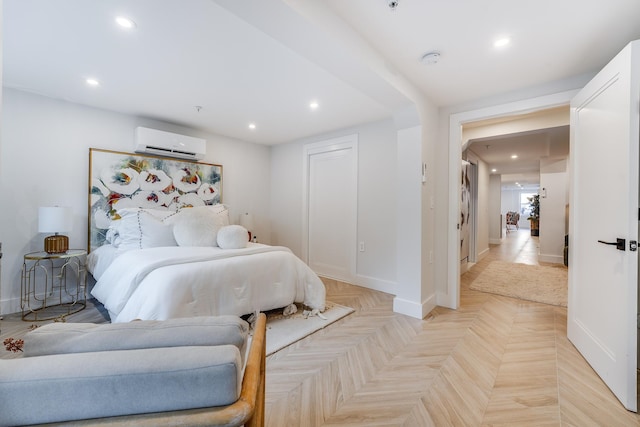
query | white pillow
(112,236)
(144,228)
(233,237)
(221,213)
(217,208)
(195,227)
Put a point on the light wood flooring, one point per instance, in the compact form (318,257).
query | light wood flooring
(496,361)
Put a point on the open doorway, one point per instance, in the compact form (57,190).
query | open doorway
(518,170)
(504,114)
(523,177)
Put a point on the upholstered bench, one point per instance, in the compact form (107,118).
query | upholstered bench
(173,372)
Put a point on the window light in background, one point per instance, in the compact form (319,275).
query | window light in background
(56,220)
(246,220)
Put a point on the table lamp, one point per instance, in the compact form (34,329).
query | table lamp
(55,220)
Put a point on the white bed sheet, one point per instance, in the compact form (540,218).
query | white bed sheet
(99,259)
(167,282)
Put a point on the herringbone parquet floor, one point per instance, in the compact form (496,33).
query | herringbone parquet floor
(496,361)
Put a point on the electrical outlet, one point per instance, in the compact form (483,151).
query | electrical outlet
(361,246)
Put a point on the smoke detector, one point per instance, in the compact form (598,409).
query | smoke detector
(430,58)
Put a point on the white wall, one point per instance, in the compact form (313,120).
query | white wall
(410,255)
(376,267)
(45,145)
(496,224)
(554,182)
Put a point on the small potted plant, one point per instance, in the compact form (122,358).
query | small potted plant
(534,216)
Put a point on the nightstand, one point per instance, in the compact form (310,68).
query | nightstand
(53,285)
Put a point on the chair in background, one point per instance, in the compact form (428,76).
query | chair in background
(512,221)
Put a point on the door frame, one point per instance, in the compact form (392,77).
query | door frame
(472,256)
(473,224)
(452,298)
(345,142)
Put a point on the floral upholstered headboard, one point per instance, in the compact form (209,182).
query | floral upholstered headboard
(125,180)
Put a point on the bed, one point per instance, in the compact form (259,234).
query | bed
(167,282)
(182,257)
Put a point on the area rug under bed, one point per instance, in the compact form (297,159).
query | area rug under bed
(283,331)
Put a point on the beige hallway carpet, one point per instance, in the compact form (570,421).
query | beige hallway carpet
(545,284)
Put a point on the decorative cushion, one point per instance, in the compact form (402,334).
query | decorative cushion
(221,213)
(195,228)
(61,338)
(144,228)
(61,387)
(233,237)
(198,226)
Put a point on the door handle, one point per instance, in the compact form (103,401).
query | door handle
(619,243)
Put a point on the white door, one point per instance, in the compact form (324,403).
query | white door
(332,207)
(603,279)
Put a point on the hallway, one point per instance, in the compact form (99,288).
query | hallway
(517,246)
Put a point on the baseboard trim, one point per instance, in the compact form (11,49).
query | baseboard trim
(376,284)
(10,306)
(495,241)
(555,259)
(414,309)
(446,300)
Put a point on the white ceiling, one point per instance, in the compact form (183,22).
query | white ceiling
(530,147)
(263,61)
(551,40)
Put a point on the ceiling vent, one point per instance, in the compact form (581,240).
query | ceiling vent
(161,143)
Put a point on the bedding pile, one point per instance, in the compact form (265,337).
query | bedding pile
(162,265)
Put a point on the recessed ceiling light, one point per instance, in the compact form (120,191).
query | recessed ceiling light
(494,170)
(502,42)
(125,22)
(252,126)
(514,156)
(92,82)
(314,105)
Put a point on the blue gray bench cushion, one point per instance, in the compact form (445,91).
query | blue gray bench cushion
(62,338)
(55,388)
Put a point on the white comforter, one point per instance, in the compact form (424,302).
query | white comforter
(167,282)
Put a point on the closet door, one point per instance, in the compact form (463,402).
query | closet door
(331,207)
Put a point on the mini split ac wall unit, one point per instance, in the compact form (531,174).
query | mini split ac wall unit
(161,143)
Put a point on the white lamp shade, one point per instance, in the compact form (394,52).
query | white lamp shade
(246,220)
(54,219)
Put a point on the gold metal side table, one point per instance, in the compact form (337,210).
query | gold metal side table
(53,285)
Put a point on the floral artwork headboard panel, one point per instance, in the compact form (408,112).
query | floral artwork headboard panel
(125,180)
